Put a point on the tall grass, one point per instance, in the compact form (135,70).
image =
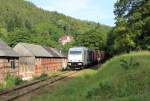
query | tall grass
(11,81)
(122,78)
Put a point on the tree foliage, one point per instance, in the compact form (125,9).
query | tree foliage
(22,21)
(132,25)
(93,38)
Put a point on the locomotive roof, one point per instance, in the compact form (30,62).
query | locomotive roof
(78,48)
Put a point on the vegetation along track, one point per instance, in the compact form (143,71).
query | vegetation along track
(22,90)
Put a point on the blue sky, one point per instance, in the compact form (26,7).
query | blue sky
(93,10)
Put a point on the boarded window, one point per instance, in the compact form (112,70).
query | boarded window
(13,65)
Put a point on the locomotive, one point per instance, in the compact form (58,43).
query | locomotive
(81,57)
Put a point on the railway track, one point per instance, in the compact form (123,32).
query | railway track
(12,94)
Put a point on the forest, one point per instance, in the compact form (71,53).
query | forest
(22,21)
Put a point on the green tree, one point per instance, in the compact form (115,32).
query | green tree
(131,31)
(18,35)
(22,21)
(92,39)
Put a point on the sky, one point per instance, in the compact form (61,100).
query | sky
(100,11)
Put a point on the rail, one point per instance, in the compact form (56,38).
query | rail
(14,93)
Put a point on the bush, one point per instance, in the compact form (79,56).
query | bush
(104,90)
(41,77)
(128,64)
(12,80)
(1,86)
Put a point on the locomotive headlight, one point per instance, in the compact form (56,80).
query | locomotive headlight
(69,64)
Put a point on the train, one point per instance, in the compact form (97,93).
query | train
(82,57)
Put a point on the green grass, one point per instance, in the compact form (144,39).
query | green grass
(11,81)
(122,78)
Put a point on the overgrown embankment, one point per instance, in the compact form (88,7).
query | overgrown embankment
(123,78)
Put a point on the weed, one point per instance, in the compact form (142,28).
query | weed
(41,77)
(128,64)
(12,80)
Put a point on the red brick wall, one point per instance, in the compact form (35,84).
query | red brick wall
(45,65)
(30,66)
(5,68)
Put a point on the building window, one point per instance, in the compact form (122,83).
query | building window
(12,62)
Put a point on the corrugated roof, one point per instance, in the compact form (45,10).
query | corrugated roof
(54,52)
(7,51)
(36,50)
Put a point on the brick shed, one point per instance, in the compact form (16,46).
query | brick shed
(8,61)
(58,59)
(35,60)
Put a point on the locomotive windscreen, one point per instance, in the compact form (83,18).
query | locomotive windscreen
(75,52)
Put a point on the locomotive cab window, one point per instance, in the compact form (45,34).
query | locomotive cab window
(75,52)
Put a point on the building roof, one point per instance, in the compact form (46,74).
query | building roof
(54,52)
(25,49)
(35,50)
(6,51)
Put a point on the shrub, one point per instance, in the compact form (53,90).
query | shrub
(1,86)
(104,89)
(12,80)
(41,77)
(128,64)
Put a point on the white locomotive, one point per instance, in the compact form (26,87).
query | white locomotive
(78,57)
